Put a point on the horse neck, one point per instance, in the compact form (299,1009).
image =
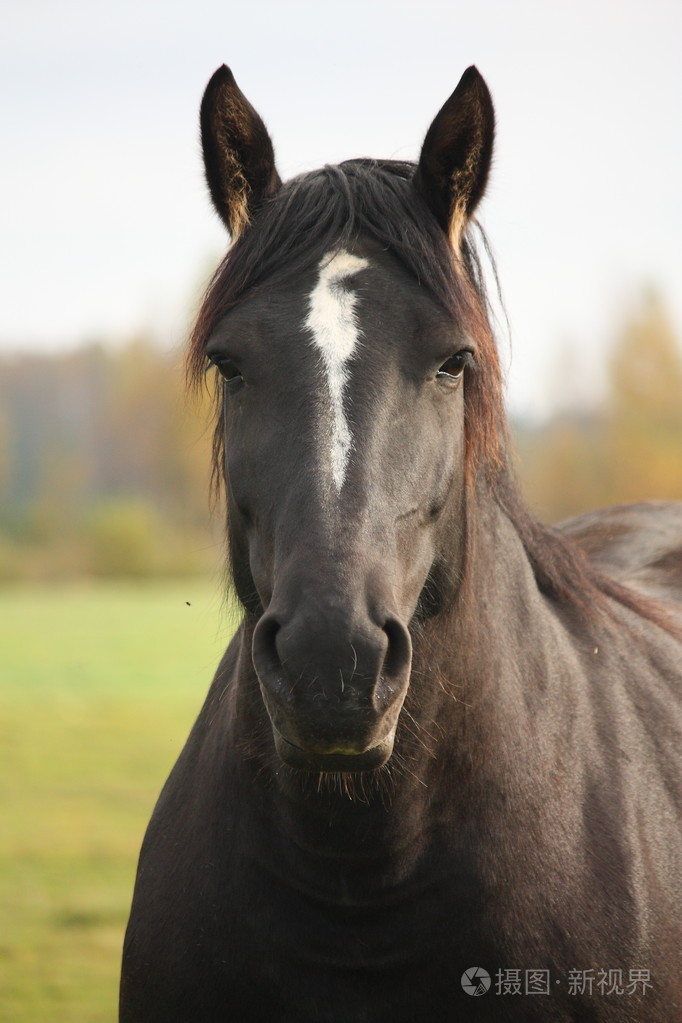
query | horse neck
(483,666)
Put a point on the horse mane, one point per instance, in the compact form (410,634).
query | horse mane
(332,208)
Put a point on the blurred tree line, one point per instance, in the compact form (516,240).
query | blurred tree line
(105,459)
(104,466)
(629,447)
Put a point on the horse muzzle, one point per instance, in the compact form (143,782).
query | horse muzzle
(333,685)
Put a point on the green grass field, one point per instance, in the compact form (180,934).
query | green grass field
(99,686)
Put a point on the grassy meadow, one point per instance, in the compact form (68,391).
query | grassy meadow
(99,686)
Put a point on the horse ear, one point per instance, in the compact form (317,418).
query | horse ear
(238,154)
(456,155)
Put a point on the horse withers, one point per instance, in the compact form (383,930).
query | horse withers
(436,774)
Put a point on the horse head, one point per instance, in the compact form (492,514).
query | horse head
(347,383)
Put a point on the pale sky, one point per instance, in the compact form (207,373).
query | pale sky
(105,222)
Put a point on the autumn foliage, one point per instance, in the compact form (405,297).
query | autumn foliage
(628,448)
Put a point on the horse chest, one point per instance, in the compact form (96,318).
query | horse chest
(278,952)
(272,933)
(316,956)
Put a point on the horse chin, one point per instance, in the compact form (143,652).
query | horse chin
(335,759)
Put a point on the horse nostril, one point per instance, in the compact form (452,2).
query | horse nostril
(266,659)
(397,662)
(399,653)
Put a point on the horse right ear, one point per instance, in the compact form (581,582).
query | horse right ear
(238,154)
(456,155)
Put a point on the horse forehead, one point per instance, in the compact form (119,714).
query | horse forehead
(357,299)
(331,316)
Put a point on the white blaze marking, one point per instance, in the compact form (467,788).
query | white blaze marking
(332,321)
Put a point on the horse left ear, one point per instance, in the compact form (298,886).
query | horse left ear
(238,154)
(456,155)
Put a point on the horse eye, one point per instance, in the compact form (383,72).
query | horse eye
(228,369)
(453,367)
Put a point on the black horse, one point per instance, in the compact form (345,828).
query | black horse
(435,777)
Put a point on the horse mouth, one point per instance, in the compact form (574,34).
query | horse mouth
(334,760)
